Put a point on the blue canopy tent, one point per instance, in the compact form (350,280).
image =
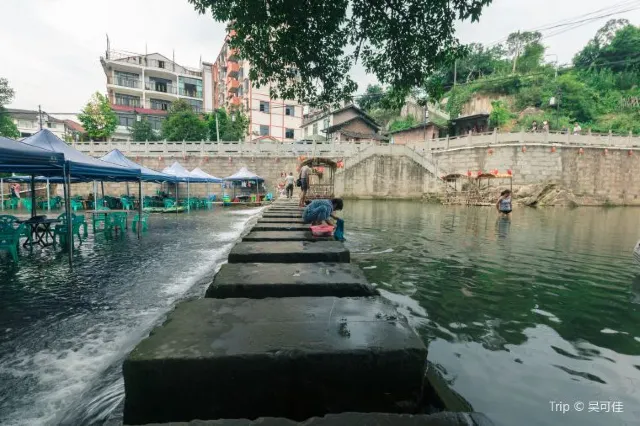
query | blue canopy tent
(81,166)
(184,175)
(146,174)
(244,175)
(213,179)
(18,157)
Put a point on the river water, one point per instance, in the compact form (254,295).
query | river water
(516,314)
(64,334)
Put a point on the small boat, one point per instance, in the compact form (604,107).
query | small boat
(178,209)
(636,252)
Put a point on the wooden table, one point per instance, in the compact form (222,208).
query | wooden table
(40,231)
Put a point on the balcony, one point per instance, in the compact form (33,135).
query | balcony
(192,93)
(233,69)
(126,82)
(232,55)
(233,85)
(161,87)
(235,101)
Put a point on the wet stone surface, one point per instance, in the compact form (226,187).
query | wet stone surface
(289,252)
(288,235)
(286,357)
(260,280)
(281,227)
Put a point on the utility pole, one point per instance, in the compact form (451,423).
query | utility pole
(40,116)
(217,127)
(455,72)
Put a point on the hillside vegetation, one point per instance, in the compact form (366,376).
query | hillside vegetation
(599,89)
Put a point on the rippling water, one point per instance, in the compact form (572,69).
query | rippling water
(63,334)
(544,307)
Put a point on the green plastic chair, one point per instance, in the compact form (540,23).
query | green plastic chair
(226,200)
(143,221)
(76,205)
(60,230)
(99,219)
(10,233)
(13,203)
(26,203)
(116,221)
(127,203)
(169,202)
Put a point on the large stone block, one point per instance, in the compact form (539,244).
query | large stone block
(289,252)
(279,220)
(354,419)
(281,215)
(287,235)
(260,280)
(290,357)
(281,227)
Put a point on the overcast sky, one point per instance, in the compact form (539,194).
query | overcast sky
(50,49)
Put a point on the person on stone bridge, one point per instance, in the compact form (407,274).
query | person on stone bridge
(289,182)
(304,183)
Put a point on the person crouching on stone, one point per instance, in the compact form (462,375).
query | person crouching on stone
(319,211)
(504,203)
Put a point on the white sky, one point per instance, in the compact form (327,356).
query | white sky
(50,49)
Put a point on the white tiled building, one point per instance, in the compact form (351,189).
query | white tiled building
(147,85)
(277,119)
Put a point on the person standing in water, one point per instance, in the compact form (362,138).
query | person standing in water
(504,203)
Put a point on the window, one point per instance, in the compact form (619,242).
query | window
(289,110)
(325,123)
(156,123)
(240,91)
(289,134)
(315,128)
(160,104)
(25,123)
(264,130)
(264,106)
(160,64)
(126,120)
(246,85)
(126,100)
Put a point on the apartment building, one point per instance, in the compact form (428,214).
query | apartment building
(28,122)
(145,85)
(275,119)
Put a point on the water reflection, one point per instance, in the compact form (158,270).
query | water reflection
(537,307)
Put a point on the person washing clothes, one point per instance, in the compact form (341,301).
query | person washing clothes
(504,203)
(319,211)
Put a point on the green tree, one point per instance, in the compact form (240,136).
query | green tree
(7,126)
(142,131)
(371,98)
(403,123)
(500,114)
(303,48)
(233,127)
(97,118)
(518,41)
(183,124)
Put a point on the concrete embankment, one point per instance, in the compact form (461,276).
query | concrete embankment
(289,330)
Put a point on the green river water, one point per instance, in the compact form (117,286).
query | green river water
(517,314)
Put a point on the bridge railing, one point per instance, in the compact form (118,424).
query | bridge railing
(213,149)
(497,138)
(348,149)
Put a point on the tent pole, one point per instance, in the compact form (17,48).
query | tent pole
(127,183)
(33,195)
(102,185)
(177,199)
(67,203)
(188,197)
(48,196)
(139,206)
(2,194)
